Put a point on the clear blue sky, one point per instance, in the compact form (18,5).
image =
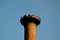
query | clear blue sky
(12,10)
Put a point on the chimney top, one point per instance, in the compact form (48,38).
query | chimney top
(30,18)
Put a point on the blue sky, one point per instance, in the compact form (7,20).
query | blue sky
(12,10)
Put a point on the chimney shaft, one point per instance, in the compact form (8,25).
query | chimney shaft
(30,31)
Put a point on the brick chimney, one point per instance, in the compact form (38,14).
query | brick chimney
(30,22)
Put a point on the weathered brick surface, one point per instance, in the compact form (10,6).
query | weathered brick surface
(30,31)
